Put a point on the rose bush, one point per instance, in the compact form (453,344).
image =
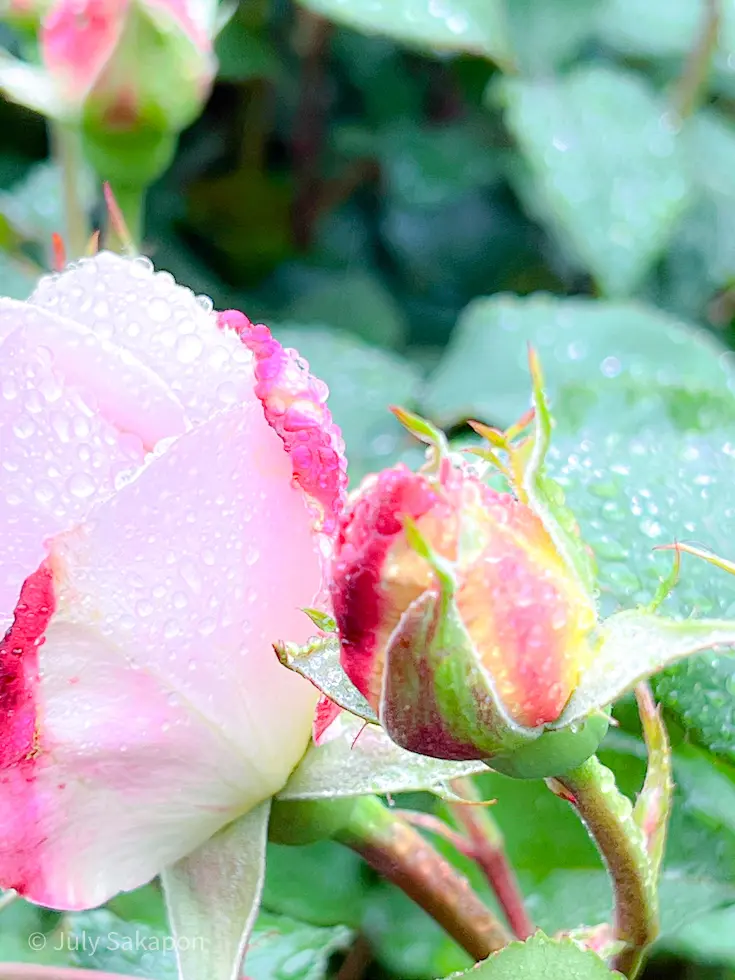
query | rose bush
(170,485)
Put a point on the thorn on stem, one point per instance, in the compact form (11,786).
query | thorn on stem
(58,251)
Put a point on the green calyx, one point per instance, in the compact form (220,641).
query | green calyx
(554,752)
(129,157)
(300,822)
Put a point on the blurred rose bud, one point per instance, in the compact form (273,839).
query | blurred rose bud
(170,484)
(454,670)
(129,61)
(134,71)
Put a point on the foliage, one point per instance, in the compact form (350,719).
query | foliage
(409,191)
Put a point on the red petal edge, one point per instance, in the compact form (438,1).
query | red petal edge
(326,712)
(19,737)
(371,524)
(294,403)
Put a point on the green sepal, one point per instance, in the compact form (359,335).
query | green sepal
(546,497)
(318,661)
(422,429)
(653,806)
(323,621)
(632,646)
(437,699)
(359,759)
(128,158)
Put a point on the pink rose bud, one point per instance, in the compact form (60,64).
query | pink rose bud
(170,482)
(455,676)
(136,69)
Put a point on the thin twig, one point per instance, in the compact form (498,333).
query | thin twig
(488,851)
(435,825)
(357,960)
(310,124)
(689,89)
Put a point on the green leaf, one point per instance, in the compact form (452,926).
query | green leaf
(556,901)
(630,494)
(278,947)
(546,34)
(610,172)
(660,29)
(484,372)
(34,205)
(100,940)
(318,661)
(633,646)
(710,939)
(244,53)
(281,947)
(20,924)
(637,406)
(357,759)
(323,883)
(428,167)
(474,26)
(355,302)
(31,87)
(213,896)
(363,381)
(540,958)
(702,255)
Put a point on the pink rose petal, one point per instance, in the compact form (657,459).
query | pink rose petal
(163,324)
(162,711)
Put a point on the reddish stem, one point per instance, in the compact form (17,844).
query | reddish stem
(400,854)
(487,849)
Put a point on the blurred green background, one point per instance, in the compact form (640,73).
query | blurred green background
(408,191)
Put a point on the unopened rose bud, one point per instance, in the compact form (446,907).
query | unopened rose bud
(466,667)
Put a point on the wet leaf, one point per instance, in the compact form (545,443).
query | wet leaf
(607,165)
(484,372)
(539,958)
(356,759)
(660,29)
(547,33)
(474,26)
(279,947)
(630,494)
